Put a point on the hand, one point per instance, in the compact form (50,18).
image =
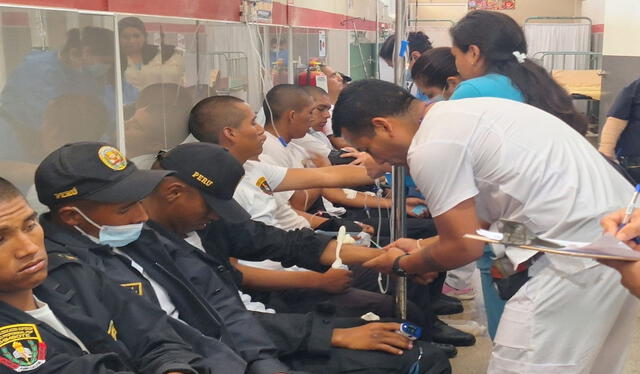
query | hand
(335,280)
(405,244)
(374,169)
(384,262)
(412,203)
(349,149)
(374,336)
(630,271)
(366,228)
(612,221)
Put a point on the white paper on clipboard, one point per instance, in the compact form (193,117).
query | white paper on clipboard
(604,247)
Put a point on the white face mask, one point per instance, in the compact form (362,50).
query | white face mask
(113,236)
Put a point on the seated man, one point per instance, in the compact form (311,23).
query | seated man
(184,281)
(289,110)
(94,327)
(230,122)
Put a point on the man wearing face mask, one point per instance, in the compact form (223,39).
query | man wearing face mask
(94,194)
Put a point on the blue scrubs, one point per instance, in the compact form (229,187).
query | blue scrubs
(490,85)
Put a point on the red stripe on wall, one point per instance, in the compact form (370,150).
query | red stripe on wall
(72,4)
(227,10)
(223,10)
(597,29)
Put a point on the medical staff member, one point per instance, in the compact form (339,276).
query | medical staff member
(620,137)
(506,160)
(419,43)
(491,55)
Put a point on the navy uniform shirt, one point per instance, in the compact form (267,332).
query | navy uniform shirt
(627,107)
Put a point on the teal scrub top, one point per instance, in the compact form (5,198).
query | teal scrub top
(490,85)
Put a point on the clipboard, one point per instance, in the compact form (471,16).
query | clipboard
(633,255)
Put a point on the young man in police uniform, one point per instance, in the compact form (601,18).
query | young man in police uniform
(484,159)
(192,289)
(96,327)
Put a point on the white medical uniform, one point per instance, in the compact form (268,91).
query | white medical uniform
(523,164)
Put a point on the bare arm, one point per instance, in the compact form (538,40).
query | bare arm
(314,220)
(450,251)
(303,199)
(331,176)
(350,254)
(611,131)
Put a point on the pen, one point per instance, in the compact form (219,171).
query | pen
(631,206)
(629,211)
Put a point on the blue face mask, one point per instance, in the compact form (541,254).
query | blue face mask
(113,236)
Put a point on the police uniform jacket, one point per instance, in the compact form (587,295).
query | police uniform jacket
(123,333)
(292,333)
(239,330)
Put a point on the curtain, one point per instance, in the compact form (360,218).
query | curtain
(559,37)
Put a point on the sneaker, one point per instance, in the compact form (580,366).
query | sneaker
(463,294)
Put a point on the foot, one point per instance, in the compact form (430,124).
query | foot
(460,294)
(448,349)
(444,306)
(443,333)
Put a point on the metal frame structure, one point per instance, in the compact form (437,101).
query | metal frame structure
(398,172)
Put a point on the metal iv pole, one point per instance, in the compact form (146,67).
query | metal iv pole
(398,172)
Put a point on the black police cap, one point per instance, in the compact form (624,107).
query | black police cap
(214,171)
(92,171)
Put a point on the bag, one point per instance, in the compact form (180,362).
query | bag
(507,287)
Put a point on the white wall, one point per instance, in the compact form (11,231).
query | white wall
(621,28)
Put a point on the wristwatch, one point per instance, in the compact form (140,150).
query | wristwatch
(396,269)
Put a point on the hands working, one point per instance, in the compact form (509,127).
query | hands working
(630,270)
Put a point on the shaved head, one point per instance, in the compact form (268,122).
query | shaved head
(211,115)
(283,98)
(8,191)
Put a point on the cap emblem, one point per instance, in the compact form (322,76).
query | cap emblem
(65,194)
(202,179)
(112,158)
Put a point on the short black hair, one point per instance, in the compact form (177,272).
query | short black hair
(418,42)
(8,190)
(282,98)
(434,67)
(212,114)
(364,100)
(314,91)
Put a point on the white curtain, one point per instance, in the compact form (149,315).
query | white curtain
(559,37)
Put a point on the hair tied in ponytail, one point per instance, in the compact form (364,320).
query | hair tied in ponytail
(520,56)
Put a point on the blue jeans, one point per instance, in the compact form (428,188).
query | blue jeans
(493,304)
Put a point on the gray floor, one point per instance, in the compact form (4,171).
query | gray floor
(474,360)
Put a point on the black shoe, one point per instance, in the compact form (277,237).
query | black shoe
(448,349)
(450,299)
(444,307)
(443,333)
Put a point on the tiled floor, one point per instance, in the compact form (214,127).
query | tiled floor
(474,360)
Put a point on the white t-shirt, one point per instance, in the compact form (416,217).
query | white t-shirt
(315,142)
(291,156)
(46,315)
(519,163)
(194,239)
(255,194)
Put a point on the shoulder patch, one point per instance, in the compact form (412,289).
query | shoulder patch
(112,331)
(21,347)
(136,287)
(264,185)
